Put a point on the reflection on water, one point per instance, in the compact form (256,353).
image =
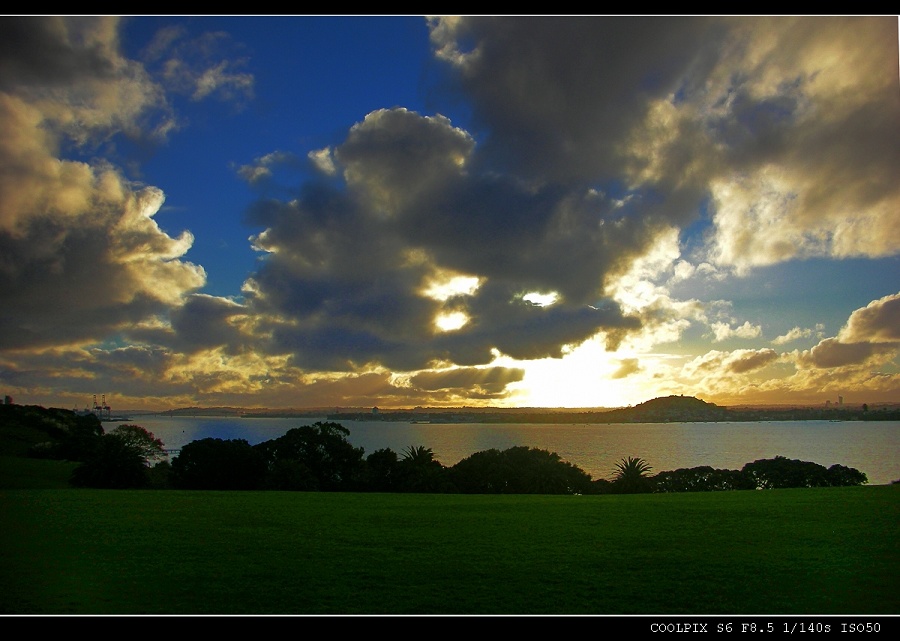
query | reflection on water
(869,446)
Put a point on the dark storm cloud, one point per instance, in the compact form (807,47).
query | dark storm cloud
(417,177)
(492,379)
(41,51)
(81,254)
(788,126)
(201,323)
(558,95)
(595,144)
(525,331)
(65,285)
(343,279)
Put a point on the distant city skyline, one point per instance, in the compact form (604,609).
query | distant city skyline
(400,211)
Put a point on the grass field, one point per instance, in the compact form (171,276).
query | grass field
(804,551)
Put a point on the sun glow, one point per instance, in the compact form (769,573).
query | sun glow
(449,321)
(446,285)
(540,299)
(588,376)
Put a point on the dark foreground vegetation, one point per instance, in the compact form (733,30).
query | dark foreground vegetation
(75,551)
(319,457)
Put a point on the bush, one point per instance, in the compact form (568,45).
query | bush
(113,464)
(519,470)
(217,464)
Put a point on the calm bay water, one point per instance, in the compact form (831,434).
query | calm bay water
(871,447)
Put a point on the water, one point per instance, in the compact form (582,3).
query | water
(869,446)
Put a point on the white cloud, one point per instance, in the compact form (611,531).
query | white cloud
(724,331)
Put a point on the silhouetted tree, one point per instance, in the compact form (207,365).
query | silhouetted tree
(484,472)
(539,471)
(217,464)
(112,464)
(119,459)
(314,457)
(419,471)
(381,472)
(842,476)
(150,448)
(631,476)
(781,472)
(519,470)
(601,486)
(700,479)
(160,476)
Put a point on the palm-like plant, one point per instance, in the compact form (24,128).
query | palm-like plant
(418,455)
(419,471)
(631,476)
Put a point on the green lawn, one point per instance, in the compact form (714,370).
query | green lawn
(804,551)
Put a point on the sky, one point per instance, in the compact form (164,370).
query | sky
(404,211)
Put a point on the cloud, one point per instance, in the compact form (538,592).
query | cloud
(610,163)
(323,161)
(794,334)
(82,256)
(485,383)
(204,66)
(755,116)
(724,331)
(879,321)
(556,95)
(344,281)
(68,74)
(740,361)
(811,138)
(627,367)
(870,335)
(831,353)
(261,169)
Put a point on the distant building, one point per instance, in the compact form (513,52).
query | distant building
(7,400)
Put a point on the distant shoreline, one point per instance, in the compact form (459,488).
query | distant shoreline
(668,409)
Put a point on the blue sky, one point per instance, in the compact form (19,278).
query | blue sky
(319,211)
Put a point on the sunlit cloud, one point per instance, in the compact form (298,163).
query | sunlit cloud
(724,331)
(446,285)
(590,228)
(879,321)
(262,168)
(541,299)
(450,321)
(870,335)
(323,161)
(627,367)
(796,333)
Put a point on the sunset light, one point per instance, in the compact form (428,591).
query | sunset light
(402,211)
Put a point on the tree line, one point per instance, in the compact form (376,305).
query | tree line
(320,458)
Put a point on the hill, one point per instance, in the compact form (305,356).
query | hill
(26,428)
(670,408)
